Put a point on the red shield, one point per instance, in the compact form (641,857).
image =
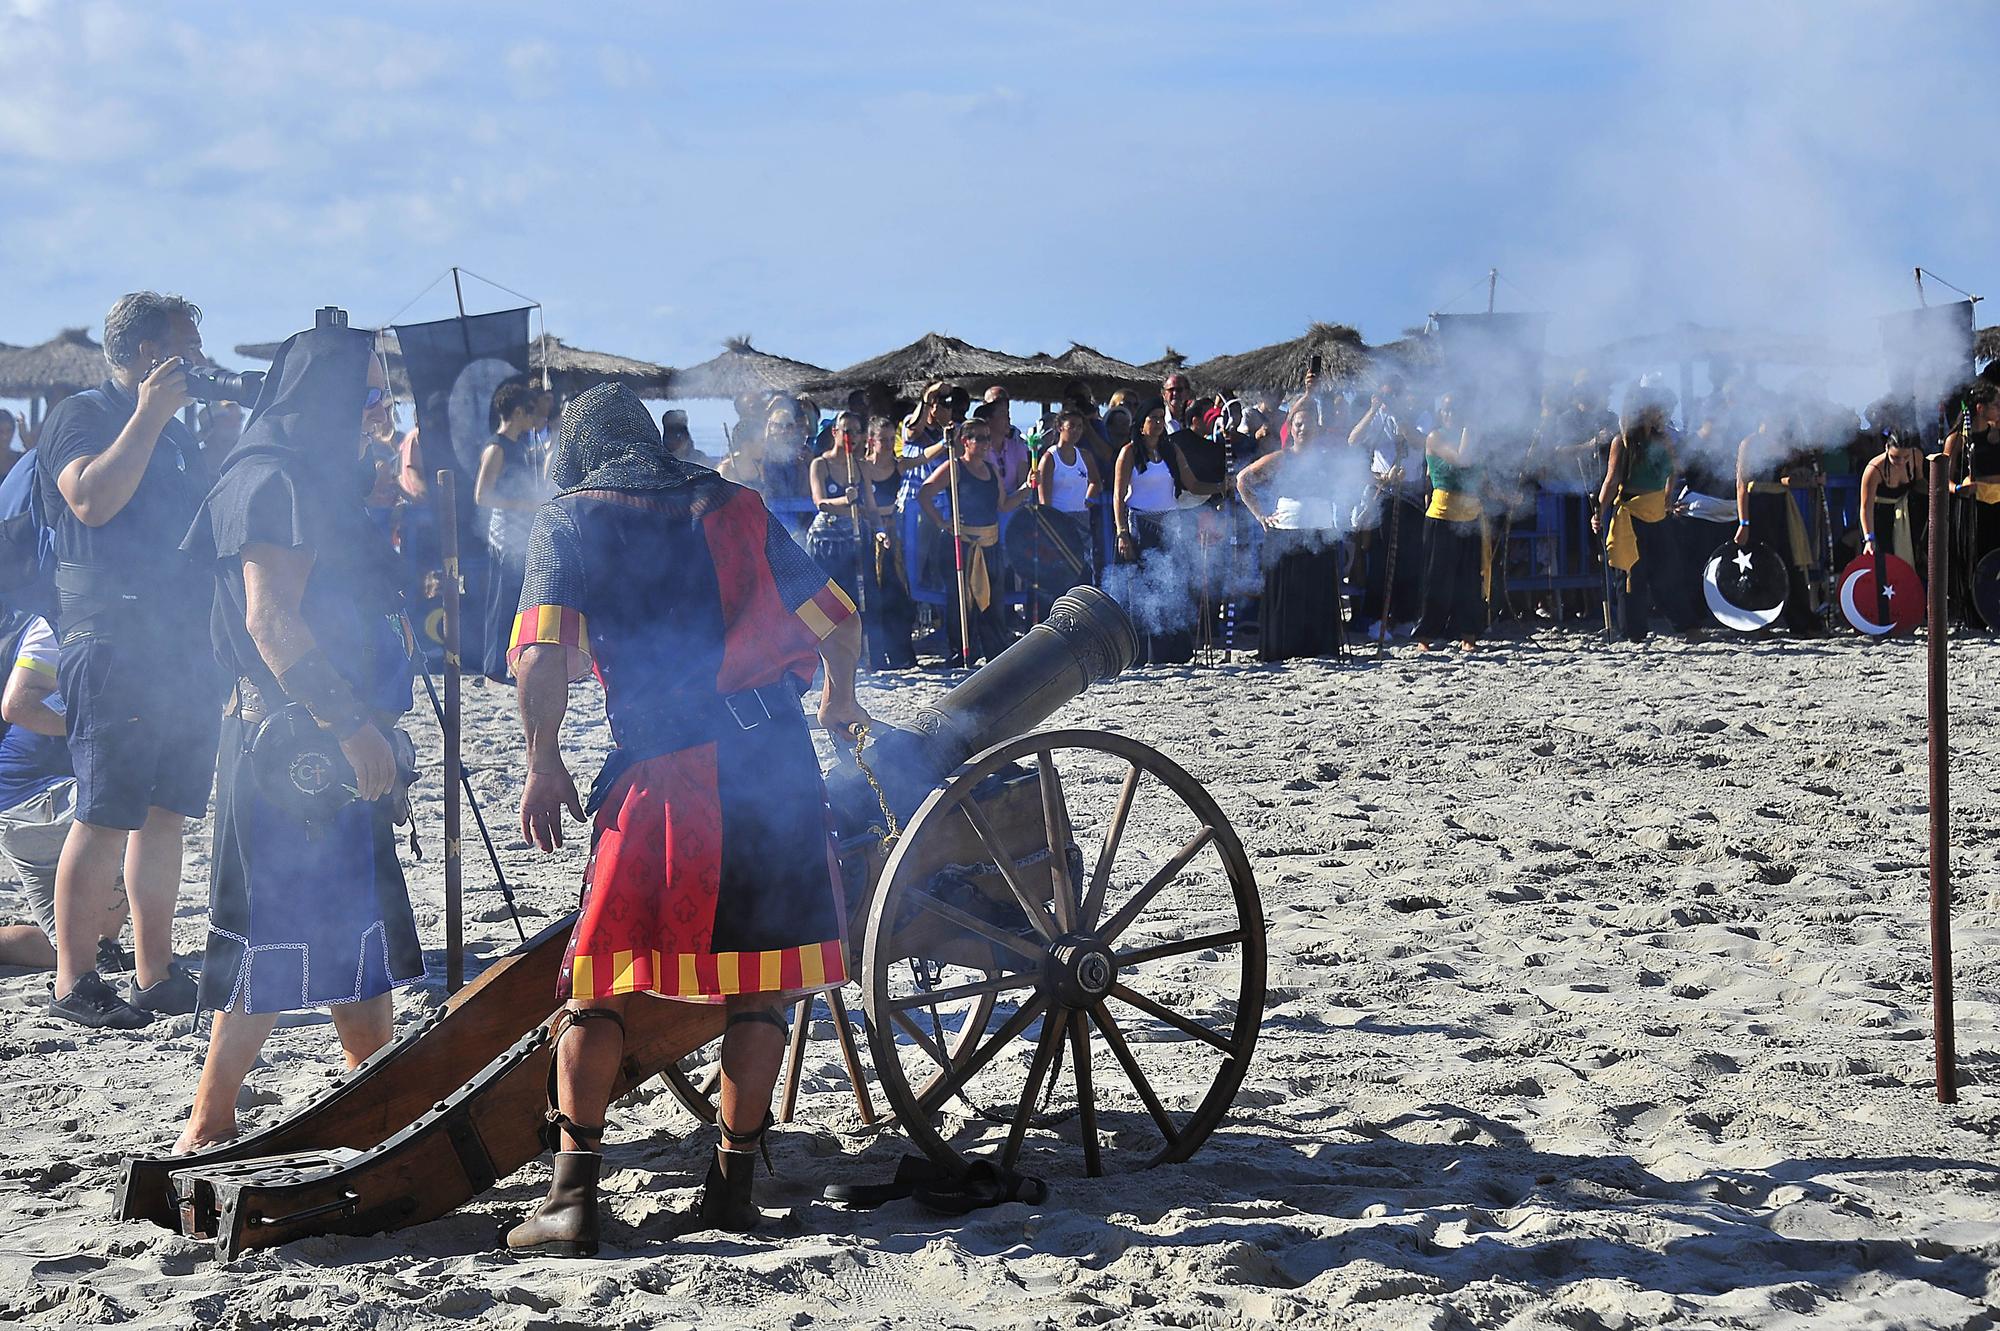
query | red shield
(1895,605)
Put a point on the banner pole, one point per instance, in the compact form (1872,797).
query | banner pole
(1943,1037)
(454,877)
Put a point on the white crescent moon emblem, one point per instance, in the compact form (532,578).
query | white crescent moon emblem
(1853,613)
(1728,614)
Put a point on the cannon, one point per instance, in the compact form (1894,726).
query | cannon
(1030,912)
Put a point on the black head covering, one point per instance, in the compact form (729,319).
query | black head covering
(607,441)
(301,448)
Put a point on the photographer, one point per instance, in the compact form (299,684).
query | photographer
(119,480)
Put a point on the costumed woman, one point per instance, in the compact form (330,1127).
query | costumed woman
(842,535)
(509,488)
(307,905)
(1150,579)
(711,875)
(1973,447)
(979,502)
(1638,476)
(889,632)
(1888,482)
(1067,485)
(1771,463)
(1454,536)
(1293,494)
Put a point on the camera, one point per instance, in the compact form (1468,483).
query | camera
(211,385)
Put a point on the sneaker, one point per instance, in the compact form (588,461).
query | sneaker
(92,1002)
(173,996)
(111,958)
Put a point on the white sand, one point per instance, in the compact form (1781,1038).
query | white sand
(1598,998)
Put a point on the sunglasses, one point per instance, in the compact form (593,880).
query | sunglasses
(375,398)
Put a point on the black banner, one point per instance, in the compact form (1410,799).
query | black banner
(1929,353)
(454,365)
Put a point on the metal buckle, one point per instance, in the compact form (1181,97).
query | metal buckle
(729,701)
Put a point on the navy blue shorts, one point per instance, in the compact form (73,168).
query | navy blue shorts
(142,730)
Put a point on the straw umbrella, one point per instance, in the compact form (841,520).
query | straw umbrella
(1986,344)
(739,370)
(934,357)
(1159,369)
(67,363)
(1105,374)
(572,369)
(1282,366)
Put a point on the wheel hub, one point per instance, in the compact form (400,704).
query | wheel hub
(1081,970)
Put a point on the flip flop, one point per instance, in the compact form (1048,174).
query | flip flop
(912,1172)
(984,1184)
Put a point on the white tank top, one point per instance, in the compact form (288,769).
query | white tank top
(1152,489)
(1068,483)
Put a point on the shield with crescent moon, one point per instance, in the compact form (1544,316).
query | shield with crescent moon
(1744,586)
(1878,604)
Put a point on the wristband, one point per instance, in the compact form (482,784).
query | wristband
(1742,523)
(313,682)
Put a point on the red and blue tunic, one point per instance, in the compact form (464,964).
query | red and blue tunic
(711,869)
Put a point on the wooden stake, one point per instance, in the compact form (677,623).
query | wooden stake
(958,555)
(454,879)
(1943,1037)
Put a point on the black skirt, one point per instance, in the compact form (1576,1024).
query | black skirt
(301,920)
(1301,611)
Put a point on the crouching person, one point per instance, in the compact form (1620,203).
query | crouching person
(710,877)
(307,905)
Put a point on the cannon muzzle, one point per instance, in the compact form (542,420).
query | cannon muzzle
(1086,639)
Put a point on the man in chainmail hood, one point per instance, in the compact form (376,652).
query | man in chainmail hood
(710,877)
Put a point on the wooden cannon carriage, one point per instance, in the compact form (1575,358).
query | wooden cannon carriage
(1021,901)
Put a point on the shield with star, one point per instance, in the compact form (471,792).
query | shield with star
(1881,594)
(1744,586)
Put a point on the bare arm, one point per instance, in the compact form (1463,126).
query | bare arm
(1250,483)
(1045,477)
(98,488)
(840,650)
(1614,475)
(1871,481)
(492,462)
(541,688)
(416,485)
(274,584)
(1121,495)
(1361,426)
(26,701)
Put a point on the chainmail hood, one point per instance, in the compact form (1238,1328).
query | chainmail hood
(607,441)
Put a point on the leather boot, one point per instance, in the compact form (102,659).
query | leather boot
(726,1201)
(565,1224)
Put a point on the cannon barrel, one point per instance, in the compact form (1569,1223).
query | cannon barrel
(1087,638)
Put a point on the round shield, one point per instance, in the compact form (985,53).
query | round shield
(1986,589)
(1893,605)
(1745,586)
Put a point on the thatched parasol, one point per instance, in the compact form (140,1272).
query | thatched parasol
(1986,343)
(1165,365)
(933,357)
(1282,367)
(1105,374)
(740,369)
(572,369)
(69,362)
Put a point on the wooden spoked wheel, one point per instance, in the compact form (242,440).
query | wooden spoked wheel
(1100,1000)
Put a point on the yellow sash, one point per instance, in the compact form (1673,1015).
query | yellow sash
(1648,507)
(1986,492)
(977,539)
(1453,507)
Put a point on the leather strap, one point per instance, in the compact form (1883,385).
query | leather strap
(554,1122)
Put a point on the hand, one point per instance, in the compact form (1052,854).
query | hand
(882,539)
(374,765)
(840,715)
(164,392)
(1743,536)
(1597,524)
(1127,546)
(544,796)
(1270,521)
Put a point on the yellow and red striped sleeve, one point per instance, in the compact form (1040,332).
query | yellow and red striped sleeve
(556,626)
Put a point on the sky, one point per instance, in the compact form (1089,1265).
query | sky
(837,179)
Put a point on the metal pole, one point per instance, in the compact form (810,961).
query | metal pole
(1492,285)
(454,895)
(864,547)
(958,555)
(1943,1039)
(1920,288)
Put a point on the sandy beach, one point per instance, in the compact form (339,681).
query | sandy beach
(1598,998)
